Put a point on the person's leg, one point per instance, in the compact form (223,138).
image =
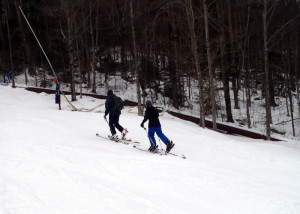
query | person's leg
(117,125)
(151,132)
(111,124)
(166,141)
(161,135)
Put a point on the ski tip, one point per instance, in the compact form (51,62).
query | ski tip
(134,146)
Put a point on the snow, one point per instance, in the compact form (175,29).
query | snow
(281,117)
(51,162)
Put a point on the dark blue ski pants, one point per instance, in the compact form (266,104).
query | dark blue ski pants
(160,134)
(114,122)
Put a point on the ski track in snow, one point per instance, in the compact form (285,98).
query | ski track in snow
(51,162)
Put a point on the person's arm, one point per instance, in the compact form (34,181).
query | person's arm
(108,106)
(146,117)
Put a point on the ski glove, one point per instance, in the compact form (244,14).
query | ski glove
(104,117)
(142,125)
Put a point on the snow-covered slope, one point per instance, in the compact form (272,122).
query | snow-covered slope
(281,117)
(51,162)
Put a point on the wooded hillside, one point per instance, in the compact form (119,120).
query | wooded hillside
(249,44)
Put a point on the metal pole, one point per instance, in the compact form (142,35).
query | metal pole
(39,44)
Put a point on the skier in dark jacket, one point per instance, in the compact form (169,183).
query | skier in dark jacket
(114,115)
(155,127)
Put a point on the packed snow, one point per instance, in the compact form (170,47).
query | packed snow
(51,162)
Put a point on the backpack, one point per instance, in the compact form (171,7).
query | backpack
(118,103)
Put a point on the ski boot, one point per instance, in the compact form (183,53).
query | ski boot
(170,145)
(152,148)
(114,137)
(124,133)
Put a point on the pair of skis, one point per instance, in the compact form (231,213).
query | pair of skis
(160,152)
(119,140)
(136,145)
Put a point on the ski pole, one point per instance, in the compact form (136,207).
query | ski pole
(106,121)
(160,143)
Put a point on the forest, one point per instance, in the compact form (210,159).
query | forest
(250,45)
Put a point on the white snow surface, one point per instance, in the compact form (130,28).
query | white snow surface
(51,162)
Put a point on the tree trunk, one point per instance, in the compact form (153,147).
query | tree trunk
(194,49)
(290,83)
(224,64)
(88,68)
(210,68)
(291,103)
(71,68)
(70,49)
(9,44)
(271,87)
(24,39)
(248,98)
(172,61)
(79,63)
(248,94)
(296,68)
(26,45)
(94,39)
(266,60)
(233,66)
(137,76)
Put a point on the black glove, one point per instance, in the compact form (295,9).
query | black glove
(142,125)
(104,117)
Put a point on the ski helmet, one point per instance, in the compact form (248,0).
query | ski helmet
(148,103)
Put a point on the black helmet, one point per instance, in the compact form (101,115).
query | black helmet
(109,92)
(148,103)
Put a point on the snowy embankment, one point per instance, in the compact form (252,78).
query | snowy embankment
(51,162)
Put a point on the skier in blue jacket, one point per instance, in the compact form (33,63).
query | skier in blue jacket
(155,127)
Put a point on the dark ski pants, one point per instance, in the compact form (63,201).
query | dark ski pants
(114,122)
(160,134)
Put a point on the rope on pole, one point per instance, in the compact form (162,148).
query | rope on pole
(76,109)
(39,43)
(51,64)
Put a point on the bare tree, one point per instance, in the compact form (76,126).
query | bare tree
(290,80)
(194,49)
(266,63)
(233,66)
(69,9)
(296,57)
(224,63)
(6,6)
(210,67)
(244,42)
(26,45)
(135,53)
(249,41)
(94,32)
(297,70)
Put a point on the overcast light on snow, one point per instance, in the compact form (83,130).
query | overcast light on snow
(51,162)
